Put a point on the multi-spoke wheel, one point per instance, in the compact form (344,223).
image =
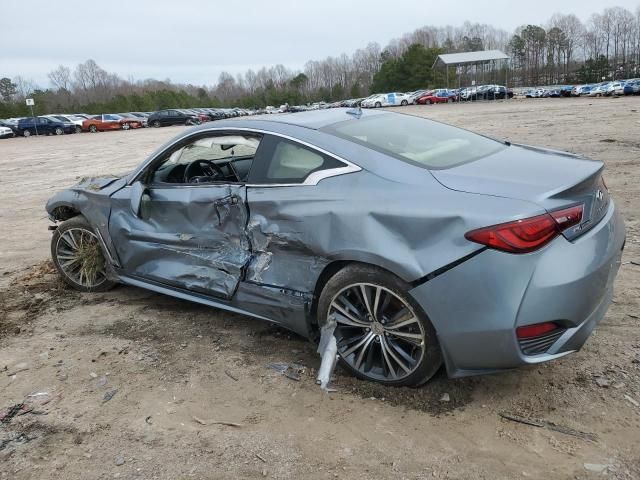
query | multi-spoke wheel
(381,332)
(78,257)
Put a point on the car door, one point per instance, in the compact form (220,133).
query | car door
(45,126)
(186,234)
(283,193)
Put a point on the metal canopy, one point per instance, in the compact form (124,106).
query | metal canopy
(471,57)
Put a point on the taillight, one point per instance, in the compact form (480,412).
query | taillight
(536,330)
(529,234)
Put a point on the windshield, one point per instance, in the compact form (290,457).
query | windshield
(416,140)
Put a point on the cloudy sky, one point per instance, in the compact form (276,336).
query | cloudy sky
(193,41)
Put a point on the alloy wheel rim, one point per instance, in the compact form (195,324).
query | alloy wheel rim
(377,333)
(80,257)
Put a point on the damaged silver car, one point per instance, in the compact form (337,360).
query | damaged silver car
(408,242)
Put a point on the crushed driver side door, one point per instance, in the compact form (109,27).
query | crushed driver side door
(191,237)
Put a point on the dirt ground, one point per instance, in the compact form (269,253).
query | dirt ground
(130,384)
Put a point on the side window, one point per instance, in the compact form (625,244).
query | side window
(285,161)
(219,158)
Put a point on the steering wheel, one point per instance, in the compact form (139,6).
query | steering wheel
(206,168)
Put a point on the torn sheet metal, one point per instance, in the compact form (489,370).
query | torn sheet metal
(328,350)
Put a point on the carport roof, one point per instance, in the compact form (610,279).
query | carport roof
(471,57)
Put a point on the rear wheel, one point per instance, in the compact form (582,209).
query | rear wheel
(26,133)
(428,102)
(404,103)
(382,333)
(78,257)
(156,123)
(126,126)
(78,129)
(58,131)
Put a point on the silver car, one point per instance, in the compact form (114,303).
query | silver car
(411,242)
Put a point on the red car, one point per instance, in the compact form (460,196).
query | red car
(109,121)
(436,97)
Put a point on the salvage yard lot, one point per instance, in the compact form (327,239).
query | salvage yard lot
(135,382)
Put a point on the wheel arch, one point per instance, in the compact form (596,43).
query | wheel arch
(334,267)
(64,211)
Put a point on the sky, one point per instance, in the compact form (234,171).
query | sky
(193,41)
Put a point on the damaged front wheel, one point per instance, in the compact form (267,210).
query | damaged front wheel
(382,334)
(78,257)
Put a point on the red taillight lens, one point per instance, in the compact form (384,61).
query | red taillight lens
(521,236)
(529,234)
(536,330)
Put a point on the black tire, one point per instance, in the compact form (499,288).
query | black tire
(78,129)
(404,103)
(62,251)
(378,105)
(429,359)
(58,131)
(428,102)
(156,124)
(93,128)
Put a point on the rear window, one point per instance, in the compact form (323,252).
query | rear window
(416,140)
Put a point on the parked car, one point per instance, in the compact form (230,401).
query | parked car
(77,121)
(175,116)
(435,97)
(136,117)
(579,90)
(615,88)
(43,126)
(13,126)
(110,121)
(6,132)
(393,99)
(598,91)
(632,87)
(317,222)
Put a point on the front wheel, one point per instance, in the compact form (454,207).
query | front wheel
(26,133)
(126,126)
(58,131)
(378,105)
(78,129)
(77,254)
(382,333)
(156,124)
(93,128)
(404,103)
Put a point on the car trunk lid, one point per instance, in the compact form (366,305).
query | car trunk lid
(548,178)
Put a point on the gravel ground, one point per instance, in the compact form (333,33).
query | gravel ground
(130,384)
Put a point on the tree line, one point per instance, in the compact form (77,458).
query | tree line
(564,50)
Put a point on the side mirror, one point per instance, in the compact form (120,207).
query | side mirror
(138,194)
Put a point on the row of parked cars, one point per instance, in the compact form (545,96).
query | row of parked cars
(60,124)
(417,97)
(604,89)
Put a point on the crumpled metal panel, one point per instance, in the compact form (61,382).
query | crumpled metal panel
(191,238)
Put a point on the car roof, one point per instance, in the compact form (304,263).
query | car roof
(313,119)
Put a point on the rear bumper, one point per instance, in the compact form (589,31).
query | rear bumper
(476,307)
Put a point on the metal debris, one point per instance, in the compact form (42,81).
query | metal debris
(109,395)
(289,370)
(328,350)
